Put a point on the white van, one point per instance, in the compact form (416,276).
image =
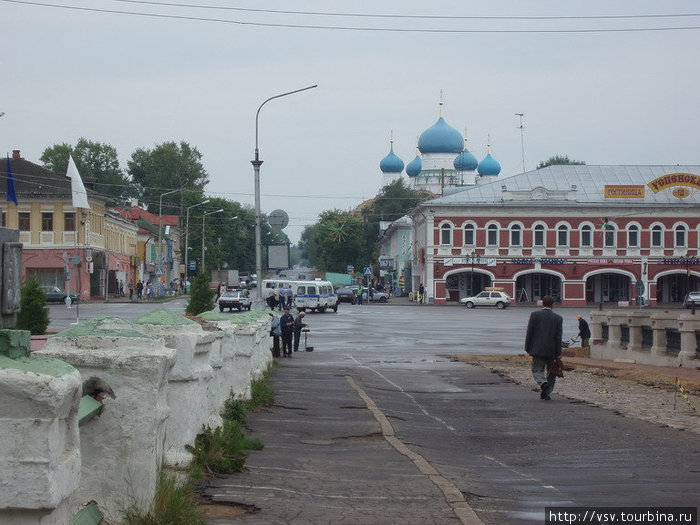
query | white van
(315,295)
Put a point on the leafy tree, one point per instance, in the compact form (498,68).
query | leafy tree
(168,166)
(559,160)
(336,240)
(201,296)
(94,160)
(33,314)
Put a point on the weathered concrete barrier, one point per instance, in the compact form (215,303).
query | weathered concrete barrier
(121,449)
(664,338)
(188,382)
(39,443)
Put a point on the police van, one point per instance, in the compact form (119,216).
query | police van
(316,295)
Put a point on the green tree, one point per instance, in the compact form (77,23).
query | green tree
(94,160)
(201,296)
(336,240)
(168,166)
(33,314)
(559,160)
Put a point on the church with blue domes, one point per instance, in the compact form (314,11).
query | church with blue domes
(442,161)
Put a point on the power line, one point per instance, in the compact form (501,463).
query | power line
(412,17)
(353,28)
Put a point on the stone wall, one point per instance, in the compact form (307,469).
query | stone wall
(159,379)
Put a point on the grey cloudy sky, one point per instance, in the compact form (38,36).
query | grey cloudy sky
(133,81)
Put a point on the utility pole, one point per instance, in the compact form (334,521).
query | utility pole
(522,141)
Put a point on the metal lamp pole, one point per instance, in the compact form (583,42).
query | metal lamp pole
(187,236)
(256,167)
(203,217)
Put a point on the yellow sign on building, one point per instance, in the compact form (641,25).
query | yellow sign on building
(619,191)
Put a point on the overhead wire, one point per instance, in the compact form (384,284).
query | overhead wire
(355,28)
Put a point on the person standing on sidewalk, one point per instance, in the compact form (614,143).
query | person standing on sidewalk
(584,331)
(543,343)
(287,329)
(299,324)
(421,294)
(276,333)
(131,289)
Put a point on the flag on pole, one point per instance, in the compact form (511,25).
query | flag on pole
(11,193)
(76,183)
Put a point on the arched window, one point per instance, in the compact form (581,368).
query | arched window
(539,235)
(680,236)
(469,237)
(586,236)
(610,234)
(492,235)
(515,236)
(657,236)
(446,235)
(562,235)
(633,236)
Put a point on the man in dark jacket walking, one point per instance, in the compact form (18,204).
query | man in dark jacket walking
(287,327)
(584,331)
(543,343)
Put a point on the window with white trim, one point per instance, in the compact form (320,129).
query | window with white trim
(515,235)
(492,235)
(539,235)
(469,237)
(680,236)
(586,236)
(446,235)
(562,235)
(657,237)
(633,236)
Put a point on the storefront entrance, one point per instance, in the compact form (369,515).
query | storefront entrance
(674,287)
(466,284)
(608,288)
(532,287)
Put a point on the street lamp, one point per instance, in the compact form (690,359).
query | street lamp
(256,167)
(203,217)
(160,227)
(471,275)
(187,236)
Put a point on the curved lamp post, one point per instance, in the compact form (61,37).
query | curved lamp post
(256,167)
(187,237)
(203,217)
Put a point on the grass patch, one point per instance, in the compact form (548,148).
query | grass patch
(174,502)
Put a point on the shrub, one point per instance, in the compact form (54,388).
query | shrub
(33,314)
(201,297)
(221,450)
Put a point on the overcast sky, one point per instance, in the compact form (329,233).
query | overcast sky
(622,97)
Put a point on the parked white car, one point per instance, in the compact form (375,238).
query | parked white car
(488,298)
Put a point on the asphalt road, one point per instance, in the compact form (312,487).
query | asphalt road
(509,454)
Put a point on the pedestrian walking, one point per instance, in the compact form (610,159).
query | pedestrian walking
(584,331)
(287,329)
(139,289)
(421,294)
(131,289)
(543,343)
(276,333)
(299,324)
(121,288)
(359,295)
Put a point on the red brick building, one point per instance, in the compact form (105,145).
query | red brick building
(583,234)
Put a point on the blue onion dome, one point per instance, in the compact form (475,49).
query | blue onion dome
(440,138)
(465,161)
(489,166)
(414,167)
(391,163)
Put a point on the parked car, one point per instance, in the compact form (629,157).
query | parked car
(692,299)
(55,295)
(487,298)
(235,299)
(346,294)
(376,296)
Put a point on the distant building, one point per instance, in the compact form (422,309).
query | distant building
(85,251)
(395,254)
(583,234)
